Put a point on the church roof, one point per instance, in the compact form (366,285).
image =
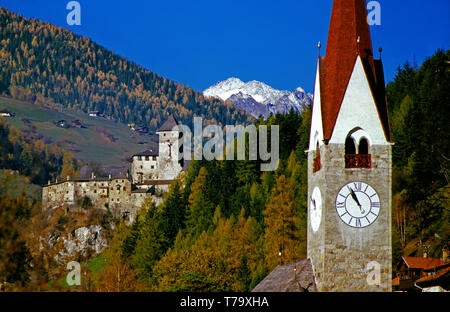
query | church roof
(348,37)
(294,277)
(170,123)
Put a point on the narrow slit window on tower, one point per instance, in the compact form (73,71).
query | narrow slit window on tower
(316,163)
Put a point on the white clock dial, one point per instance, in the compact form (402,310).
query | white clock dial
(315,209)
(358,204)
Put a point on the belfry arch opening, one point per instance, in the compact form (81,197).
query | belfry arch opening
(357,155)
(363,147)
(350,147)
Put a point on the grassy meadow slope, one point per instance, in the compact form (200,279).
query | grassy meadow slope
(102,141)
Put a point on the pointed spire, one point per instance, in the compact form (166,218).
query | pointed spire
(348,37)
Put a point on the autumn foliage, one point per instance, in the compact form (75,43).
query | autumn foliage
(49,65)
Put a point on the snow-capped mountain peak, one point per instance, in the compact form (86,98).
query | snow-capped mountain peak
(224,89)
(258,98)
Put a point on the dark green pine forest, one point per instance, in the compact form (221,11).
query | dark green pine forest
(419,106)
(224,224)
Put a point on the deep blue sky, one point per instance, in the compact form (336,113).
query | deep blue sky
(200,42)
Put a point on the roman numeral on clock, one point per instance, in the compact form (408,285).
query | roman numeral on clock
(376,205)
(358,223)
(358,186)
(367,186)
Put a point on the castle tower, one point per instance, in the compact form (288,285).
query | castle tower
(168,162)
(349,161)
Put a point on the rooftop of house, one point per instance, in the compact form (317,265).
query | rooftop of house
(434,276)
(79,180)
(423,263)
(293,277)
(149,152)
(433,270)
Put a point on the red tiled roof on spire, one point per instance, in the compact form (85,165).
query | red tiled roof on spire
(348,37)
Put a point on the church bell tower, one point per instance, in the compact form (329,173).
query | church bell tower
(349,161)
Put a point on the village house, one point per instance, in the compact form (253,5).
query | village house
(123,193)
(417,273)
(94,114)
(76,124)
(61,123)
(6,113)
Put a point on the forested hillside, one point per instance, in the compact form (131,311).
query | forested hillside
(44,63)
(34,159)
(231,225)
(224,225)
(23,164)
(419,105)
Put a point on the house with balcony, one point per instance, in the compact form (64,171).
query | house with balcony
(417,273)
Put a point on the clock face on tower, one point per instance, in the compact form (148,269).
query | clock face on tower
(358,204)
(316,209)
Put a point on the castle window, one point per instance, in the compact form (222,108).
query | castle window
(139,157)
(357,158)
(147,158)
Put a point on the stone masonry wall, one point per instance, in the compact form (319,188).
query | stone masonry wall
(339,253)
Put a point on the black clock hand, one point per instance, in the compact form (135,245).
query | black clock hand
(314,202)
(355,198)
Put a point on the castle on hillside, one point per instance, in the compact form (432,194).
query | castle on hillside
(123,192)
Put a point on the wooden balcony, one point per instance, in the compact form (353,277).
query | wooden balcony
(358,161)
